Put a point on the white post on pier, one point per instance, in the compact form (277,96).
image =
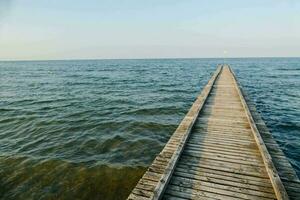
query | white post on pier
(225,52)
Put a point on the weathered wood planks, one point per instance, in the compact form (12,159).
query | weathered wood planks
(266,157)
(285,170)
(163,166)
(217,152)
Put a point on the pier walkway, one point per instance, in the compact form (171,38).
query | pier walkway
(221,150)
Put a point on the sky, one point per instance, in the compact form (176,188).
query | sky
(99,29)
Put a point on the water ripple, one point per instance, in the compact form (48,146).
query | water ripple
(88,129)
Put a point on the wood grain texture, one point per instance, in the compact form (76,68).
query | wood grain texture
(285,170)
(163,166)
(218,152)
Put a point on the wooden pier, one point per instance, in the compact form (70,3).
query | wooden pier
(221,150)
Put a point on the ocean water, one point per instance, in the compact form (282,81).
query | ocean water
(88,129)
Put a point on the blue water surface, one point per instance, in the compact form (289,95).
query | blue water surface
(88,129)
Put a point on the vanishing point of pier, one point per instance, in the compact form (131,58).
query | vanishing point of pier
(222,149)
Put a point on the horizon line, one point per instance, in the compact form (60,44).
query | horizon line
(150,58)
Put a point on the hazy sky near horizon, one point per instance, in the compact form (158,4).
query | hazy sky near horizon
(73,29)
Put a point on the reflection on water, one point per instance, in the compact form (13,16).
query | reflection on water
(88,129)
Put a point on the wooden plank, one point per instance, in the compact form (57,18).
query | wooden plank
(244,132)
(172,197)
(217,149)
(213,192)
(194,194)
(229,146)
(272,171)
(286,173)
(198,158)
(228,135)
(239,183)
(184,130)
(217,154)
(223,175)
(136,197)
(220,126)
(224,138)
(222,188)
(222,155)
(225,147)
(224,166)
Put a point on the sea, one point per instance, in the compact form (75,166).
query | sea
(88,129)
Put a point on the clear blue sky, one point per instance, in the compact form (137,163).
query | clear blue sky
(75,29)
